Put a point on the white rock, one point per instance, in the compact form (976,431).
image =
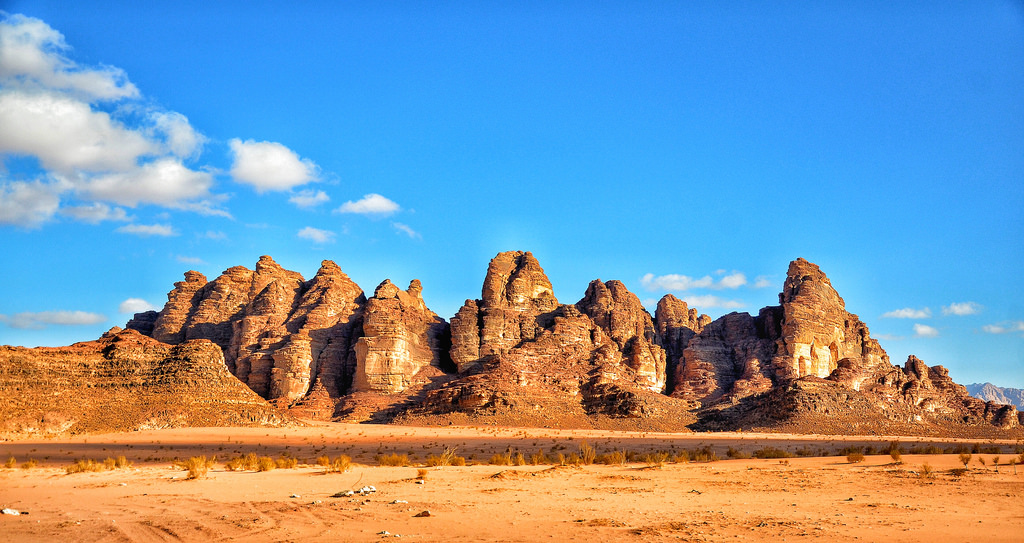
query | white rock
(7,511)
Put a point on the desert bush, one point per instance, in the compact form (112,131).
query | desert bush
(1013,463)
(896,456)
(11,463)
(587,453)
(265,463)
(500,459)
(122,463)
(772,452)
(421,474)
(926,472)
(965,458)
(341,464)
(109,463)
(82,466)
(30,464)
(894,446)
(736,453)
(235,464)
(287,462)
(538,458)
(197,466)
(976,448)
(656,459)
(981,460)
(519,459)
(612,458)
(682,456)
(958,472)
(855,457)
(323,460)
(804,451)
(393,459)
(707,454)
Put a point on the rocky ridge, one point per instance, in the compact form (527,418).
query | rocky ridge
(124,381)
(517,355)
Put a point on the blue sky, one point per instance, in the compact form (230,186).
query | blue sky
(691,148)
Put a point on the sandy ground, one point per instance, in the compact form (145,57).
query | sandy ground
(760,499)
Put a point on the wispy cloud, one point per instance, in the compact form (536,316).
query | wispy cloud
(962,309)
(96,212)
(678,283)
(908,313)
(135,305)
(189,259)
(268,165)
(762,281)
(405,229)
(708,301)
(309,198)
(316,235)
(370,204)
(42,319)
(146,230)
(215,235)
(923,330)
(1004,327)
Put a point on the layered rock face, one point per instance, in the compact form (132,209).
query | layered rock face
(121,382)
(401,337)
(278,332)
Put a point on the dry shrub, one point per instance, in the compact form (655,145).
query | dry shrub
(587,453)
(265,463)
(341,464)
(446,458)
(656,459)
(926,472)
(421,474)
(235,464)
(501,459)
(393,459)
(736,453)
(286,462)
(197,466)
(965,458)
(11,463)
(855,457)
(323,460)
(612,458)
(896,456)
(772,452)
(981,460)
(82,466)
(707,454)
(30,464)
(958,472)
(538,458)
(109,463)
(122,463)
(683,457)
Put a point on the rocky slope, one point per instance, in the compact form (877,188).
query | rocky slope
(518,356)
(123,381)
(991,393)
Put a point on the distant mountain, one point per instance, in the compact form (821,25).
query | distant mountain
(992,393)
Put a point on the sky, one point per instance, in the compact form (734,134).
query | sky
(692,148)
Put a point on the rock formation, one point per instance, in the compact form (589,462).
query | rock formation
(123,381)
(516,350)
(1001,395)
(401,337)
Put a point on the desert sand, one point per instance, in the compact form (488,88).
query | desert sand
(798,498)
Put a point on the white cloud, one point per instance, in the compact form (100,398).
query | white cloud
(165,182)
(128,154)
(180,139)
(135,305)
(1004,327)
(370,204)
(316,235)
(309,198)
(405,229)
(95,212)
(962,309)
(268,165)
(677,283)
(43,318)
(31,56)
(66,135)
(923,330)
(215,235)
(189,259)
(147,230)
(908,313)
(733,280)
(710,300)
(28,204)
(762,281)
(889,337)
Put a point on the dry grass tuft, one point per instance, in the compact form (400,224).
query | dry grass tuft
(197,466)
(393,459)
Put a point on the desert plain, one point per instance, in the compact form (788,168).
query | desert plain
(815,494)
